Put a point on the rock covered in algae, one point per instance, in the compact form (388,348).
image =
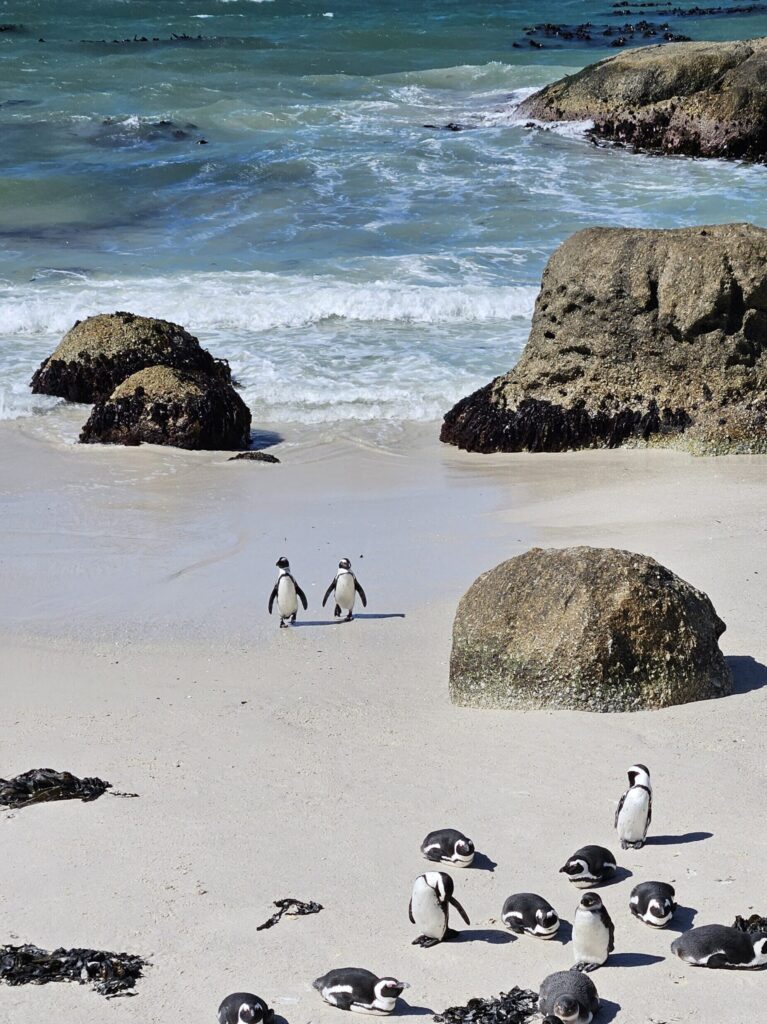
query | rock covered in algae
(160,405)
(637,336)
(590,629)
(99,353)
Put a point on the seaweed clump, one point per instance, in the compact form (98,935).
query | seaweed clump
(755,923)
(110,974)
(291,907)
(43,784)
(514,1007)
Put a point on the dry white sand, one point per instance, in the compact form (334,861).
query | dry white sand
(311,762)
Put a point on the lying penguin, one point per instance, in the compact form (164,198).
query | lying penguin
(715,945)
(653,902)
(354,988)
(593,933)
(569,997)
(590,866)
(448,846)
(634,813)
(244,1008)
(529,914)
(287,593)
(345,587)
(429,908)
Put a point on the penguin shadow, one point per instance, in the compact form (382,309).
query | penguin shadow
(682,919)
(688,837)
(633,960)
(493,936)
(405,1009)
(621,874)
(379,615)
(747,673)
(608,1010)
(564,932)
(482,862)
(344,622)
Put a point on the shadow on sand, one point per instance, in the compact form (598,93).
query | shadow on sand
(633,960)
(608,1011)
(494,936)
(747,673)
(482,862)
(688,837)
(682,919)
(343,622)
(405,1009)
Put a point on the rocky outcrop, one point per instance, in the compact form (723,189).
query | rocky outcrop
(637,335)
(697,99)
(99,353)
(590,629)
(161,405)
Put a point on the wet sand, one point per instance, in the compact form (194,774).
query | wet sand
(311,762)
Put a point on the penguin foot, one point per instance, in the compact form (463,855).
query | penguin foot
(293,617)
(585,968)
(283,624)
(425,941)
(349,617)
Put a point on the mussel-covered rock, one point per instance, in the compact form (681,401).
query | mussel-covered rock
(637,335)
(699,99)
(160,405)
(590,629)
(99,353)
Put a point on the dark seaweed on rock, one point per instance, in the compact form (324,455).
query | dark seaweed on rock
(589,34)
(514,1007)
(291,907)
(43,784)
(755,923)
(110,974)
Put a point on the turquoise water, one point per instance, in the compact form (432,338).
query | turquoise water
(352,264)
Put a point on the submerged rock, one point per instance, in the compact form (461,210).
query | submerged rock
(160,405)
(636,334)
(698,99)
(254,457)
(97,354)
(589,629)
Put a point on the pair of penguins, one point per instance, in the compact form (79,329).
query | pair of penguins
(565,997)
(286,592)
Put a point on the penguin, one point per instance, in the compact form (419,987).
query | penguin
(448,846)
(569,997)
(354,988)
(244,1008)
(287,593)
(715,945)
(527,913)
(653,902)
(590,866)
(345,587)
(429,908)
(593,933)
(634,812)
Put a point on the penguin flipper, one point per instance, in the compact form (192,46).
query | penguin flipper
(301,595)
(649,814)
(328,592)
(611,930)
(272,598)
(460,909)
(410,912)
(361,592)
(619,808)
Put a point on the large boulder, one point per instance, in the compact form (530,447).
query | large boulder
(161,405)
(99,353)
(589,629)
(699,99)
(636,335)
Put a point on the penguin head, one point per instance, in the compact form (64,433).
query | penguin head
(567,1009)
(639,775)
(390,988)
(591,901)
(250,1013)
(282,562)
(464,847)
(344,564)
(441,883)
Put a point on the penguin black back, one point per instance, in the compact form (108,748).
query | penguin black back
(244,1008)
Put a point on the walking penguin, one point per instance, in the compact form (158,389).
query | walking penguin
(345,587)
(634,813)
(287,594)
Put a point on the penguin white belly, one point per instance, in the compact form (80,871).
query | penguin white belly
(590,939)
(632,820)
(287,600)
(429,916)
(345,592)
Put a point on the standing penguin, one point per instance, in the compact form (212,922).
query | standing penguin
(244,1008)
(593,933)
(590,866)
(429,908)
(345,587)
(569,997)
(634,813)
(287,593)
(354,988)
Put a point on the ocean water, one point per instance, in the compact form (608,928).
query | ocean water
(353,265)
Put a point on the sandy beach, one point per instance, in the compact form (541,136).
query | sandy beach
(311,762)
